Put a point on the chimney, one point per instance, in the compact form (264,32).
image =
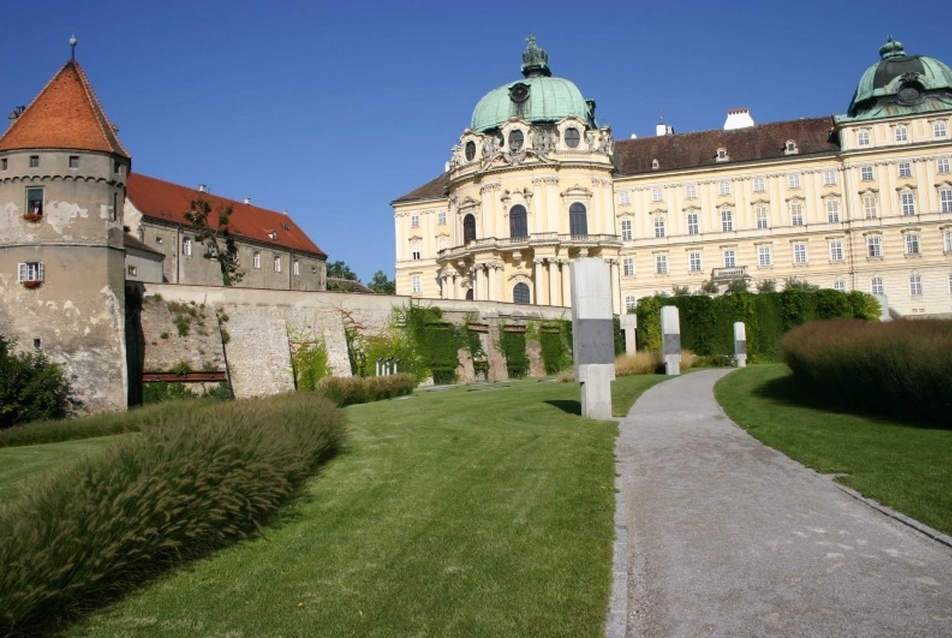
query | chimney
(738,118)
(247,200)
(202,188)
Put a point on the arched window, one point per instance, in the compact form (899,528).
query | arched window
(518,226)
(520,294)
(469,228)
(469,295)
(578,219)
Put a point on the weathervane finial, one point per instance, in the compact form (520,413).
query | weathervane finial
(72,46)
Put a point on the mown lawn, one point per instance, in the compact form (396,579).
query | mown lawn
(905,466)
(453,513)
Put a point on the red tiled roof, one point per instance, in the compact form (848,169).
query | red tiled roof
(698,150)
(433,189)
(66,114)
(168,202)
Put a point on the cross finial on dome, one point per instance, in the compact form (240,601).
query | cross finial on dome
(72,46)
(535,61)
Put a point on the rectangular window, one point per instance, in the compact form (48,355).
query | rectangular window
(902,134)
(764,256)
(839,285)
(836,250)
(30,271)
(799,253)
(655,194)
(796,213)
(659,230)
(34,161)
(628,267)
(694,226)
(905,169)
(862,137)
(730,258)
(690,191)
(74,161)
(874,246)
(296,268)
(624,197)
(630,302)
(760,212)
(866,173)
(626,230)
(277,264)
(34,201)
(132,271)
(187,246)
(661,264)
(829,177)
(915,285)
(724,187)
(793,180)
(876,286)
(256,260)
(945,200)
(760,184)
(940,129)
(908,201)
(694,261)
(942,165)
(414,221)
(833,211)
(114,213)
(159,240)
(414,250)
(948,240)
(415,285)
(870,207)
(3,164)
(912,243)
(441,218)
(727,221)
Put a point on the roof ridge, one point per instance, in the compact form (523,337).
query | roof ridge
(105,125)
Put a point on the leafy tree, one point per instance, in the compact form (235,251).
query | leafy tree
(792,283)
(214,233)
(681,291)
(737,285)
(381,284)
(31,388)
(710,287)
(767,285)
(340,270)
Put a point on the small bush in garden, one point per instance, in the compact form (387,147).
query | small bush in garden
(901,369)
(31,388)
(200,477)
(345,391)
(641,362)
(688,360)
(715,361)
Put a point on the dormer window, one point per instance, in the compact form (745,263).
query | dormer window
(470,151)
(722,155)
(273,235)
(901,133)
(516,140)
(572,137)
(790,148)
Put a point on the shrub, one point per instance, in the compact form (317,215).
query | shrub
(512,344)
(344,391)
(31,388)
(641,362)
(901,369)
(310,364)
(209,474)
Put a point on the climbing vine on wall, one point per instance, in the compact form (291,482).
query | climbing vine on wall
(512,344)
(555,344)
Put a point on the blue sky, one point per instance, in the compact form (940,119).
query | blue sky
(330,111)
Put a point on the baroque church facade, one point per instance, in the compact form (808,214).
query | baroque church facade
(856,201)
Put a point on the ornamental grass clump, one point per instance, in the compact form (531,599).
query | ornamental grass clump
(344,391)
(901,369)
(193,481)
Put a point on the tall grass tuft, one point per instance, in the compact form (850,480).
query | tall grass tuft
(645,362)
(901,369)
(198,478)
(345,391)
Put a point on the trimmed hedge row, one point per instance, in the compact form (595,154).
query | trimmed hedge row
(344,391)
(900,369)
(205,476)
(707,323)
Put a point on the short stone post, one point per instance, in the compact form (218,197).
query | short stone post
(593,343)
(671,339)
(740,344)
(883,307)
(629,325)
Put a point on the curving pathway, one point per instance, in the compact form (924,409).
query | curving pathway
(719,535)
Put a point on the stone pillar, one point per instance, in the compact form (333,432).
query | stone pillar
(740,344)
(671,339)
(616,287)
(479,293)
(629,325)
(492,287)
(593,343)
(554,298)
(567,282)
(538,286)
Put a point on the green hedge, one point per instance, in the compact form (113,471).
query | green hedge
(209,474)
(707,323)
(344,391)
(901,369)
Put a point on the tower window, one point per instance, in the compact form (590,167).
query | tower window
(3,164)
(34,161)
(256,260)
(31,271)
(518,223)
(34,201)
(74,161)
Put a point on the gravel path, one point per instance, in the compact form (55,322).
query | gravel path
(722,536)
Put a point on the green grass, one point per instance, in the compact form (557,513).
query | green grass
(452,513)
(905,466)
(18,463)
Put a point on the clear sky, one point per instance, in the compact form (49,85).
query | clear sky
(332,110)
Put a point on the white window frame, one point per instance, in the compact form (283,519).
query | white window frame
(863,137)
(905,169)
(187,246)
(800,253)
(724,187)
(624,197)
(761,215)
(414,221)
(256,260)
(829,177)
(947,238)
(441,218)
(839,285)
(656,194)
(866,173)
(833,211)
(870,206)
(628,267)
(836,249)
(661,264)
(626,234)
(415,250)
(631,302)
(940,129)
(693,223)
(915,285)
(277,263)
(695,262)
(907,202)
(876,286)
(730,258)
(793,180)
(727,220)
(416,284)
(764,256)
(760,184)
(901,133)
(945,199)
(874,246)
(660,227)
(942,165)
(31,271)
(796,213)
(296,268)
(912,244)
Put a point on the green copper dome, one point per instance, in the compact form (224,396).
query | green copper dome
(901,83)
(537,98)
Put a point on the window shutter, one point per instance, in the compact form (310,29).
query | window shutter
(21,272)
(40,272)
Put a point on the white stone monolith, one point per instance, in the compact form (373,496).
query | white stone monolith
(740,344)
(629,326)
(593,342)
(671,339)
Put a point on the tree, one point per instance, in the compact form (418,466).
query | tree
(340,270)
(381,284)
(217,240)
(767,285)
(792,283)
(737,285)
(31,388)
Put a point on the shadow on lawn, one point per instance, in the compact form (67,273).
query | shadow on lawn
(571,407)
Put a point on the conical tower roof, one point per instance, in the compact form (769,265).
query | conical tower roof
(65,115)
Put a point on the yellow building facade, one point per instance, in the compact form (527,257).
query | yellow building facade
(859,201)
